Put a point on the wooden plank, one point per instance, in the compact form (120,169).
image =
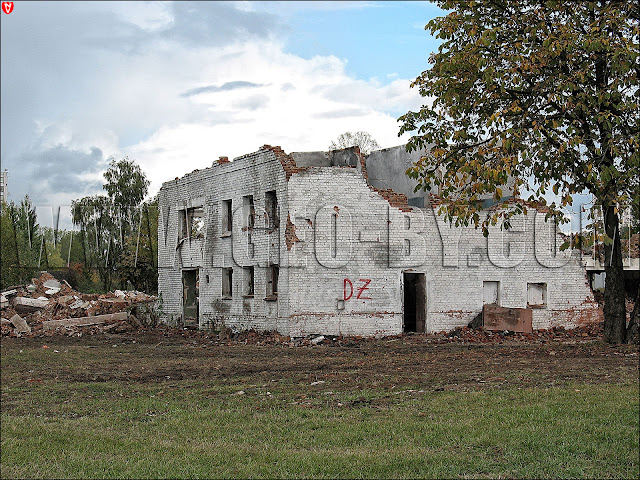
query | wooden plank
(85,321)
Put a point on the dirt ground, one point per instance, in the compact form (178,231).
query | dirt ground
(426,362)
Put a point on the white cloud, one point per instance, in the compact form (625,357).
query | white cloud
(174,107)
(149,16)
(296,103)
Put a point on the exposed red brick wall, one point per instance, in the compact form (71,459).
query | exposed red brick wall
(290,236)
(287,161)
(397,200)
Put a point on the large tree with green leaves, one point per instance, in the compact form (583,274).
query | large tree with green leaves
(23,248)
(544,93)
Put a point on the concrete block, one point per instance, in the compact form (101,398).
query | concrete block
(19,324)
(27,305)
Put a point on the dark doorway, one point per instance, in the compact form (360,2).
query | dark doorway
(414,302)
(190,297)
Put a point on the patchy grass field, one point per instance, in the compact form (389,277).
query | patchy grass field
(151,406)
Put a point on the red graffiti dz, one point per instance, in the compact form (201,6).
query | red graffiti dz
(348,289)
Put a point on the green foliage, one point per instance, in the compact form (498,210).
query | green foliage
(10,272)
(23,243)
(138,261)
(116,238)
(542,95)
(520,90)
(117,232)
(126,184)
(99,230)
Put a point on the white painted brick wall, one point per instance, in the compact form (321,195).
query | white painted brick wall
(366,246)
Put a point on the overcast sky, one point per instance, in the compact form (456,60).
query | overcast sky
(175,85)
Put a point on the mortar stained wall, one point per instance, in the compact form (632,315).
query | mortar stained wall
(456,261)
(359,264)
(252,174)
(346,240)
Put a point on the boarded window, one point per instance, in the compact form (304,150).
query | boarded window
(227,282)
(248,212)
(491,293)
(536,295)
(248,281)
(227,216)
(273,271)
(271,207)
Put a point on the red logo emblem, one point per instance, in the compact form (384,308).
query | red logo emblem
(7,7)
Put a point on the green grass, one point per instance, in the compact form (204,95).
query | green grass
(202,431)
(200,428)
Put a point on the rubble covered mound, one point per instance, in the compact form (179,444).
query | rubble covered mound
(48,307)
(587,333)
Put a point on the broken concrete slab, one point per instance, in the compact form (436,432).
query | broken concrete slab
(133,320)
(117,301)
(27,305)
(512,319)
(85,321)
(20,325)
(4,297)
(52,283)
(77,304)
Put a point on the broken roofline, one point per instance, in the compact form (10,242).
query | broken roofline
(348,227)
(352,157)
(290,167)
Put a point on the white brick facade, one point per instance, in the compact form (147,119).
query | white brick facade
(341,248)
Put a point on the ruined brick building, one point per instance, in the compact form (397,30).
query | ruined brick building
(336,243)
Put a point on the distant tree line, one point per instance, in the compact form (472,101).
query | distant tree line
(113,243)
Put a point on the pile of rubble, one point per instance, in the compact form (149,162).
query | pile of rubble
(556,334)
(586,333)
(48,307)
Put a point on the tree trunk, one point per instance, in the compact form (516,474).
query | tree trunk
(615,318)
(633,330)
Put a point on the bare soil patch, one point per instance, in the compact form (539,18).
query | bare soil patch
(426,362)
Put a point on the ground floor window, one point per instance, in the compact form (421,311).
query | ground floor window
(491,292)
(248,281)
(536,295)
(272,274)
(227,282)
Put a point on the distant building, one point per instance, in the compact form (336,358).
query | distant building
(4,192)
